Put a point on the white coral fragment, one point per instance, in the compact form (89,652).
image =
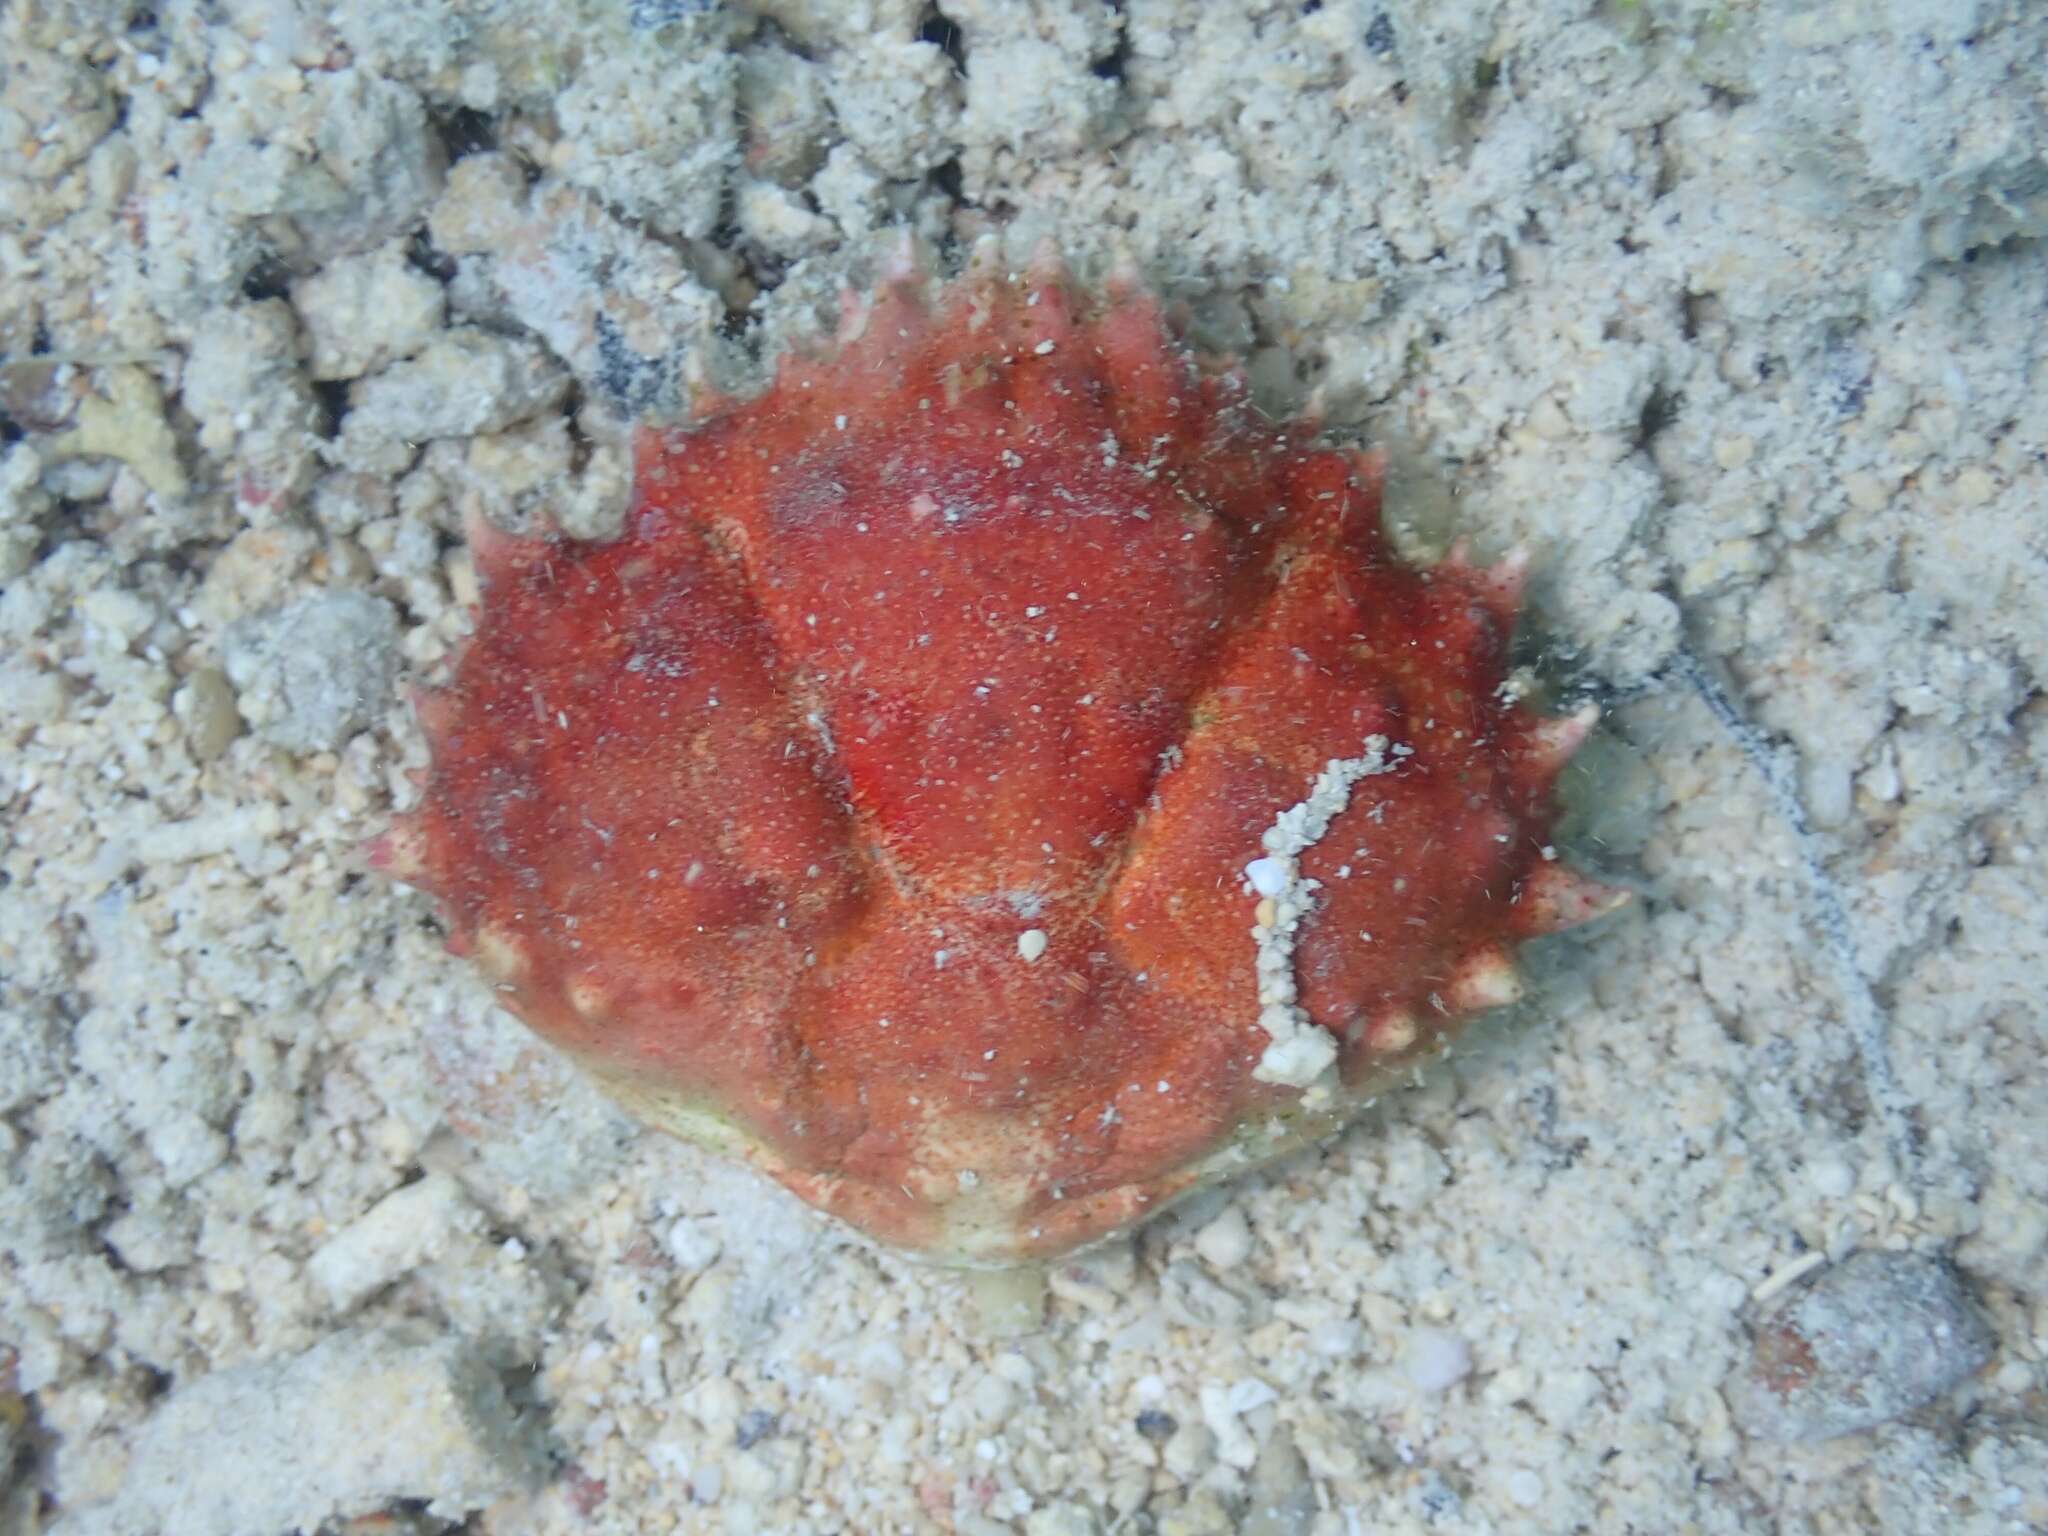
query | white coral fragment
(1301,1055)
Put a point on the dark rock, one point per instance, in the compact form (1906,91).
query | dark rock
(1156,1426)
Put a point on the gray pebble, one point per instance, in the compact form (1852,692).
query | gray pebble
(1195,1299)
(361,1420)
(1870,1339)
(1282,1496)
(205,707)
(311,674)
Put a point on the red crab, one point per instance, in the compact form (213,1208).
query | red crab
(997,782)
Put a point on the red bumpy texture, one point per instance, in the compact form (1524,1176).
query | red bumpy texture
(878,806)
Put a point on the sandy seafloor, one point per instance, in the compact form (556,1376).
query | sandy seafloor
(1735,313)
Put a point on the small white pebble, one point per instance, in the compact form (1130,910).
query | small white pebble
(1830,1177)
(1225,1242)
(1525,1487)
(1437,1361)
(1031,943)
(994,1399)
(1337,1338)
(1268,876)
(1248,1393)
